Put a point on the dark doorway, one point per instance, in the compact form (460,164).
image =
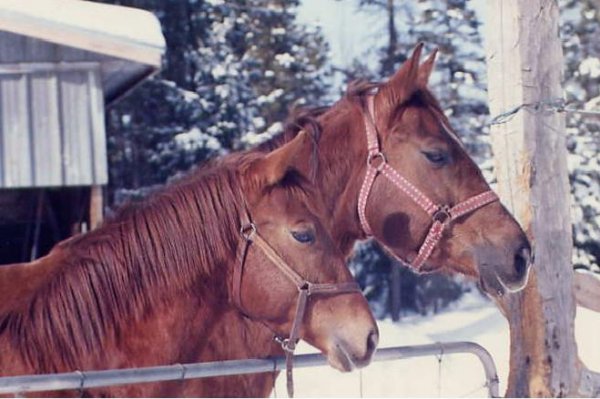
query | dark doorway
(32,221)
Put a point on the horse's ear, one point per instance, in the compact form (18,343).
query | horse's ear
(401,85)
(426,68)
(272,168)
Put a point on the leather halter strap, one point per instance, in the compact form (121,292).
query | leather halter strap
(305,289)
(441,215)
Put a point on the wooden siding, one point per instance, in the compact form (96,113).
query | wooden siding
(52,100)
(52,128)
(19,53)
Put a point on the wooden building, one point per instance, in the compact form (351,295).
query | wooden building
(61,63)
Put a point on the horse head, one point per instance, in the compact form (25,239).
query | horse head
(413,186)
(478,236)
(291,276)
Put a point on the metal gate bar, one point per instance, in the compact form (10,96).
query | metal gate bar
(94,379)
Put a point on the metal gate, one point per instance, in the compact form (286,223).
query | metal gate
(80,380)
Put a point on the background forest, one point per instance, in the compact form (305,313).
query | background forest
(234,69)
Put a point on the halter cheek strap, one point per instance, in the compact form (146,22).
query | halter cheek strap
(305,289)
(441,215)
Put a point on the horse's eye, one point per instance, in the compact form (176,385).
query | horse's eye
(305,237)
(438,158)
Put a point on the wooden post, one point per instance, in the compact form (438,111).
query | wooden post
(587,291)
(96,206)
(525,63)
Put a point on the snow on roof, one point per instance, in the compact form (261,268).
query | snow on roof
(118,31)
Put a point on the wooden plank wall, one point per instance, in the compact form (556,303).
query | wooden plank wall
(52,129)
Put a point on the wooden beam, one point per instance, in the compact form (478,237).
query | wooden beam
(587,291)
(96,207)
(525,61)
(87,39)
(40,67)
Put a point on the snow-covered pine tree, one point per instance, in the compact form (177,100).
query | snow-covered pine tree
(232,70)
(283,62)
(580,28)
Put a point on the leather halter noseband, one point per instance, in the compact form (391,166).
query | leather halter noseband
(441,215)
(305,288)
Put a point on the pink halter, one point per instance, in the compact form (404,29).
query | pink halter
(441,215)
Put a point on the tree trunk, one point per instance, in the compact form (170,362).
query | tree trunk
(524,73)
(395,290)
(388,64)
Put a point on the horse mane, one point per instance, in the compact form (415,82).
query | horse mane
(144,255)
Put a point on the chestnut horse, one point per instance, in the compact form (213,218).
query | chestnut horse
(148,287)
(400,124)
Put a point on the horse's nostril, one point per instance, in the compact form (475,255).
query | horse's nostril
(372,341)
(522,260)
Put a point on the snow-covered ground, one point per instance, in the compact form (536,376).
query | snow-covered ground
(473,318)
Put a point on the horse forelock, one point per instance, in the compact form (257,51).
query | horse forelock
(142,257)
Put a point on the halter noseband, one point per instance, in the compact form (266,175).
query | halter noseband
(441,215)
(305,290)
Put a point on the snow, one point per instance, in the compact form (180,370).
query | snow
(590,66)
(278,31)
(195,139)
(284,59)
(589,14)
(218,71)
(271,97)
(85,16)
(253,138)
(222,91)
(473,318)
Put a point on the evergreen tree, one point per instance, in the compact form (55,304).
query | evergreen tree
(580,29)
(231,72)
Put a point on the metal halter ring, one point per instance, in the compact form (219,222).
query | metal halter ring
(305,287)
(374,155)
(442,215)
(247,231)
(285,344)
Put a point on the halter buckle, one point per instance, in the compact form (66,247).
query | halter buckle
(305,286)
(247,231)
(442,214)
(285,344)
(376,155)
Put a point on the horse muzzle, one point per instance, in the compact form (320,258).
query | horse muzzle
(504,271)
(346,357)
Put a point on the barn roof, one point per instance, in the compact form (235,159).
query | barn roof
(131,36)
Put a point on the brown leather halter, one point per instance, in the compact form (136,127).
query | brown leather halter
(305,288)
(441,215)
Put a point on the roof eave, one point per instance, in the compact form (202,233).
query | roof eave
(90,40)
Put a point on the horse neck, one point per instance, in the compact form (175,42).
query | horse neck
(19,281)
(342,158)
(118,276)
(234,336)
